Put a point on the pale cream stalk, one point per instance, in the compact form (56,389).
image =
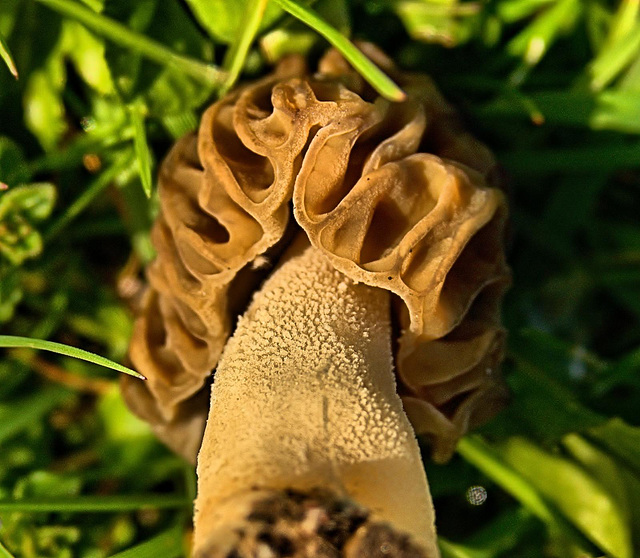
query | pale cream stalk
(305,397)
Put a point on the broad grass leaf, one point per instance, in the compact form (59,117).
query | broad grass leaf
(575,493)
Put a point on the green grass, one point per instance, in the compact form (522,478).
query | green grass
(105,86)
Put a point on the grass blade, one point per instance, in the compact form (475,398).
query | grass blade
(6,56)
(10,341)
(376,77)
(237,54)
(125,37)
(141,149)
(95,504)
(167,544)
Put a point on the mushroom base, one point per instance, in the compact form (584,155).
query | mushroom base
(313,524)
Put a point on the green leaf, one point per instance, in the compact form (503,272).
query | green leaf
(34,201)
(162,89)
(87,52)
(40,344)
(138,42)
(281,42)
(107,323)
(582,500)
(224,20)
(20,208)
(44,109)
(297,38)
(45,484)
(5,54)
(493,464)
(119,422)
(168,544)
(550,410)
(447,22)
(369,71)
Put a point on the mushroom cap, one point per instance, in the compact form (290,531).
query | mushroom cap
(397,196)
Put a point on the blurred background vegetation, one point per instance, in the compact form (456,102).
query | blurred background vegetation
(105,87)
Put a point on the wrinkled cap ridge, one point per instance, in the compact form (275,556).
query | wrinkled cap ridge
(397,196)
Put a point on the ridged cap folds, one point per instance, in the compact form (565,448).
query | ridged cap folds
(397,196)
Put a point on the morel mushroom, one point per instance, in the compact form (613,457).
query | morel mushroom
(397,202)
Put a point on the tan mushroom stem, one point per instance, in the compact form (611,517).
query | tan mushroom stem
(305,397)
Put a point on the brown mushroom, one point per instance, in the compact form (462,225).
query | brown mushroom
(393,198)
